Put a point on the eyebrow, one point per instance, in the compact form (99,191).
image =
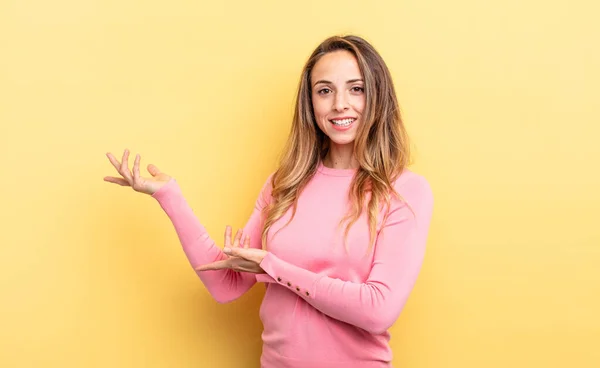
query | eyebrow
(323,81)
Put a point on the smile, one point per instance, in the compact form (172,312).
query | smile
(342,122)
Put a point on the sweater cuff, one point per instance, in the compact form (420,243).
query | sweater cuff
(263,277)
(167,191)
(301,282)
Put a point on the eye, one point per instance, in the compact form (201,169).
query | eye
(358,89)
(324,91)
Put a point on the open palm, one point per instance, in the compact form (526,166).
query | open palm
(240,257)
(133,179)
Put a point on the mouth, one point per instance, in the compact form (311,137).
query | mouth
(342,124)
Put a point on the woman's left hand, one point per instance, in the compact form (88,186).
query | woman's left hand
(241,259)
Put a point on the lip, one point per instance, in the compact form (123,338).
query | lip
(343,117)
(343,128)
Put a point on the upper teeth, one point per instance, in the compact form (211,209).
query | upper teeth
(343,122)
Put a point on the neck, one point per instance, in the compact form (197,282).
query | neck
(341,157)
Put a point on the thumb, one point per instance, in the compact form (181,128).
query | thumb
(234,251)
(153,170)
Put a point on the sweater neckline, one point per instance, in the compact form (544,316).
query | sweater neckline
(335,172)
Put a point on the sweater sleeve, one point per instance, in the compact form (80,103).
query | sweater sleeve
(375,304)
(224,285)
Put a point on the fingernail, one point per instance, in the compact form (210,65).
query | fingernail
(227,250)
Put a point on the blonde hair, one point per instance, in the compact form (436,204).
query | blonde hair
(381,146)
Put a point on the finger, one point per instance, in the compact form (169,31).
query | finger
(236,243)
(252,255)
(219,265)
(227,236)
(249,269)
(247,242)
(242,265)
(136,168)
(153,170)
(113,160)
(243,269)
(238,237)
(125,167)
(234,252)
(120,181)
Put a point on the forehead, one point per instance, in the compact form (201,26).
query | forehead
(339,64)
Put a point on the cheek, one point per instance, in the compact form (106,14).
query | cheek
(320,111)
(359,104)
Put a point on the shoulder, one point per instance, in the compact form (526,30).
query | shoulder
(410,181)
(267,189)
(414,189)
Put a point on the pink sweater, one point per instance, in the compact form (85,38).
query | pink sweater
(323,307)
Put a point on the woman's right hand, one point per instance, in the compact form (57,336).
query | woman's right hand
(133,179)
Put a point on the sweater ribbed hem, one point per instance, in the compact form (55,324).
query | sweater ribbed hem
(270,359)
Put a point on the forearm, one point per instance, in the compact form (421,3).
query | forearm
(223,285)
(373,305)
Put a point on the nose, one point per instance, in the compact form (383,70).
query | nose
(340,102)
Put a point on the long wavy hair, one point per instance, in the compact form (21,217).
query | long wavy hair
(381,146)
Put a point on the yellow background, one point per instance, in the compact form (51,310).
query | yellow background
(499,97)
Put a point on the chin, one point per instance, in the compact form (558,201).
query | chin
(343,137)
(341,141)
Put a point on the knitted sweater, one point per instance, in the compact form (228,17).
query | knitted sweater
(326,305)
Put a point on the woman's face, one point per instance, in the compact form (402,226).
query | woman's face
(338,96)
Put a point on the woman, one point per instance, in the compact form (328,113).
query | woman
(338,232)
